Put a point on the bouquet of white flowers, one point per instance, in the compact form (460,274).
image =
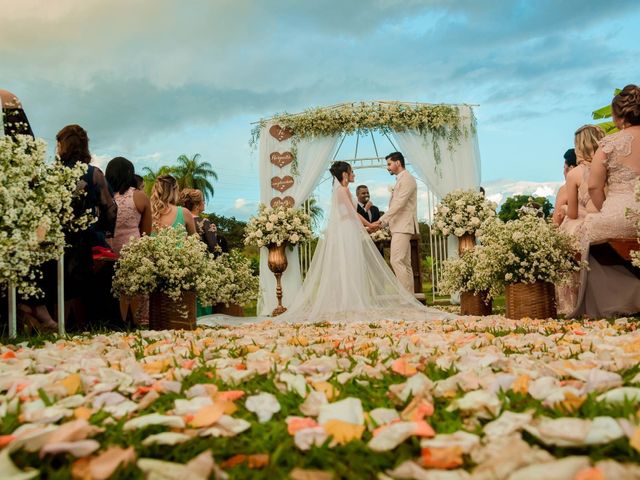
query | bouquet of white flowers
(381,235)
(462,211)
(172,262)
(462,275)
(526,250)
(277,226)
(36,207)
(231,282)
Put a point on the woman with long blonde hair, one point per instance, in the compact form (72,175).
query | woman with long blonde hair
(164,210)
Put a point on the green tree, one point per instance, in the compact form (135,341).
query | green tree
(605,112)
(149,176)
(511,206)
(195,173)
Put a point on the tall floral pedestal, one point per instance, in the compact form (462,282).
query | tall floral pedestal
(531,300)
(277,261)
(168,314)
(472,303)
(466,242)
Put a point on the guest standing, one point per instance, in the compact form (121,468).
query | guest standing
(193,200)
(560,207)
(164,210)
(607,291)
(134,209)
(366,209)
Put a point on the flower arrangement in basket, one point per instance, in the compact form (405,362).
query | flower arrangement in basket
(527,255)
(462,212)
(277,226)
(37,205)
(477,287)
(174,265)
(381,235)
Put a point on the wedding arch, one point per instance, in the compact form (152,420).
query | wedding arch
(438,141)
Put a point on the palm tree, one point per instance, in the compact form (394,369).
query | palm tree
(605,112)
(149,176)
(194,173)
(315,211)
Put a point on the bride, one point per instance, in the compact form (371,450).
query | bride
(348,280)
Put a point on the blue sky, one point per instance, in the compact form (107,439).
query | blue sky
(152,79)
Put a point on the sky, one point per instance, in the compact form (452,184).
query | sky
(153,79)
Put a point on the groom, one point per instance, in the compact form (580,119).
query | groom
(402,219)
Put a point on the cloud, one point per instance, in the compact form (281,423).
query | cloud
(239,203)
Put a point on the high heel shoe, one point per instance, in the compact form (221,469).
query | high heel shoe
(30,317)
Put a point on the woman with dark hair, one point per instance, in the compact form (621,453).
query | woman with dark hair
(73,148)
(607,291)
(193,200)
(134,210)
(348,280)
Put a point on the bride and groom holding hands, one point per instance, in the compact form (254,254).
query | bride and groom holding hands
(348,280)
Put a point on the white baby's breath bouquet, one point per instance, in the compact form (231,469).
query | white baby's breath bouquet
(526,250)
(462,275)
(231,282)
(381,235)
(462,211)
(277,226)
(36,208)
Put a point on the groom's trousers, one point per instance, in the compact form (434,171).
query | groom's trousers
(401,259)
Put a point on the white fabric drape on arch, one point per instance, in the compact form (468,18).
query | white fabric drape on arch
(313,157)
(459,168)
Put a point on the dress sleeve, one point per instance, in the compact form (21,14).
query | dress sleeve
(107,206)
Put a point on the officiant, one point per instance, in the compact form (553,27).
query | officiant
(369,211)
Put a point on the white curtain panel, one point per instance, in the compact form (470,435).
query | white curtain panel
(314,156)
(459,168)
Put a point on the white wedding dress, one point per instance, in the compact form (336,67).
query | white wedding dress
(348,280)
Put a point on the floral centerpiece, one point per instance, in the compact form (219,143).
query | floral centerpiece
(278,226)
(462,212)
(528,254)
(476,287)
(230,282)
(36,205)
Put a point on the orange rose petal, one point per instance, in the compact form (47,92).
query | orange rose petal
(329,390)
(72,384)
(234,461)
(6,440)
(231,395)
(423,429)
(443,458)
(590,473)
(521,384)
(402,367)
(634,441)
(8,355)
(83,413)
(298,423)
(207,416)
(258,460)
(343,432)
(80,469)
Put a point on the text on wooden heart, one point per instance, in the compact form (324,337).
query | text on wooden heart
(282,184)
(280,133)
(281,159)
(286,201)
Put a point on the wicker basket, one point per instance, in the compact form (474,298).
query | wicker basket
(472,303)
(233,309)
(168,314)
(532,300)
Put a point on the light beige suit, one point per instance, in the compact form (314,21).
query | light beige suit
(402,219)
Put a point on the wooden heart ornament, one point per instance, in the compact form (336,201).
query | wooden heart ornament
(280,133)
(281,159)
(282,184)
(286,201)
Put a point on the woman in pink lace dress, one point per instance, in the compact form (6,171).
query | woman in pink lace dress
(133,220)
(607,291)
(579,203)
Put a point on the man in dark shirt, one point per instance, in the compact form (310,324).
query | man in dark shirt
(370,212)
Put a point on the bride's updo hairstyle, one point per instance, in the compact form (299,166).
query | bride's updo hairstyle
(586,142)
(338,168)
(626,105)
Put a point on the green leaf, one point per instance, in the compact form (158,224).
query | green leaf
(603,112)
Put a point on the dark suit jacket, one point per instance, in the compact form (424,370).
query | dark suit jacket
(375,213)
